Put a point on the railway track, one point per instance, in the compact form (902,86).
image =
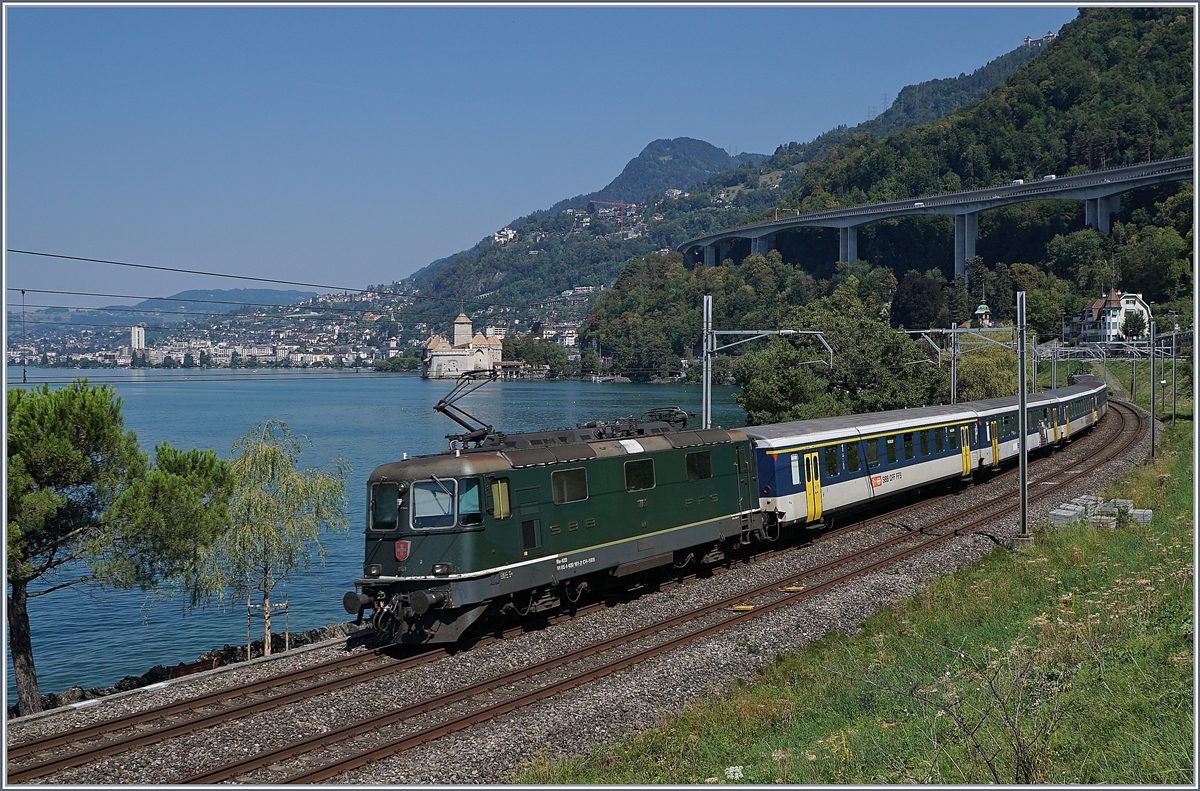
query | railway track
(299,685)
(762,600)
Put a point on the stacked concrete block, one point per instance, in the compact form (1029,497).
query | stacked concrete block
(1088,503)
(1067,513)
(1098,513)
(1141,515)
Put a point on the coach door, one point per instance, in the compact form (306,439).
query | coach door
(995,443)
(1094,403)
(964,442)
(812,485)
(1054,412)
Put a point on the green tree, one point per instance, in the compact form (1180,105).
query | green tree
(1134,325)
(169,362)
(990,372)
(874,368)
(589,361)
(918,302)
(188,360)
(84,508)
(277,515)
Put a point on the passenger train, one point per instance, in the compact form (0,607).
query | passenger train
(527,522)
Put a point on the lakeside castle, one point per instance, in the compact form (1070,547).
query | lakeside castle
(446,359)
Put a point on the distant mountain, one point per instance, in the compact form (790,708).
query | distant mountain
(662,165)
(555,251)
(224,300)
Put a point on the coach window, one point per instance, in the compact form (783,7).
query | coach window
(831,462)
(952,431)
(569,486)
(924,442)
(909,450)
(939,439)
(501,502)
(852,456)
(385,502)
(433,503)
(639,475)
(470,509)
(890,447)
(872,452)
(699,465)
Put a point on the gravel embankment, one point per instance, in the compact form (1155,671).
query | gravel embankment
(630,700)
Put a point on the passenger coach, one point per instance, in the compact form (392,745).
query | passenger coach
(811,468)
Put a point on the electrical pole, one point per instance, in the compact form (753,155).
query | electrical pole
(953,362)
(1174,337)
(706,391)
(1023,537)
(1151,389)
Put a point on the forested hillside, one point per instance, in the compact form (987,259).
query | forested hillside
(555,251)
(1114,88)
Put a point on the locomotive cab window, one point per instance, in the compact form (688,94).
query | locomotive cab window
(501,501)
(433,503)
(470,509)
(639,475)
(385,506)
(699,465)
(569,486)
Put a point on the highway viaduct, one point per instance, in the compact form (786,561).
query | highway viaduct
(1100,189)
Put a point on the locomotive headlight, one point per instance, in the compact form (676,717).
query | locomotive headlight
(372,569)
(441,569)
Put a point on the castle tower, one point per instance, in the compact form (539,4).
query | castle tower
(462,330)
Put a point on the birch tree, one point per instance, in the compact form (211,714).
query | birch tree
(277,515)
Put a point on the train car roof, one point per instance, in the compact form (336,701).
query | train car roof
(781,434)
(778,435)
(991,406)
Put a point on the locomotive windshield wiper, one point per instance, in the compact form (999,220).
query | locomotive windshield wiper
(438,481)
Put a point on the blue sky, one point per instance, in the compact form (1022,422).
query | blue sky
(352,146)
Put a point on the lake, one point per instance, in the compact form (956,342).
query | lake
(93,638)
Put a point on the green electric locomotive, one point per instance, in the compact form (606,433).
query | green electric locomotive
(526,522)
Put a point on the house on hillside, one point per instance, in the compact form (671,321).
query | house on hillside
(1040,42)
(1102,319)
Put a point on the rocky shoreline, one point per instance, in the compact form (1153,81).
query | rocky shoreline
(214,658)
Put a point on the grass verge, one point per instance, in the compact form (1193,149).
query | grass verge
(1071,662)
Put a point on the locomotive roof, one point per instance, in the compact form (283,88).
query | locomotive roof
(499,459)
